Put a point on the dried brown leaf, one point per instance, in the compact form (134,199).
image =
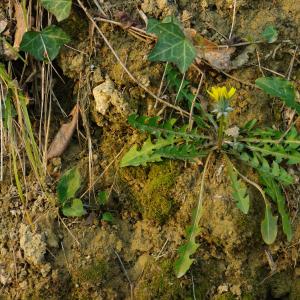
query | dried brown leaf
(125,19)
(217,57)
(3,24)
(21,24)
(64,135)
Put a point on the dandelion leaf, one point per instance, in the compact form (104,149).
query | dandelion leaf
(269,226)
(281,88)
(239,190)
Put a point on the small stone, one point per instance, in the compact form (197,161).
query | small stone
(13,212)
(23,274)
(223,288)
(56,161)
(45,270)
(33,245)
(23,285)
(3,24)
(3,251)
(297,272)
(236,290)
(233,131)
(97,76)
(4,278)
(106,94)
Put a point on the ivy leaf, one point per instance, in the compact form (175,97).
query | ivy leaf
(281,88)
(172,45)
(270,34)
(135,157)
(239,191)
(269,226)
(45,44)
(75,210)
(68,185)
(60,8)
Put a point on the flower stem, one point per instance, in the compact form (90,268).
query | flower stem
(221,131)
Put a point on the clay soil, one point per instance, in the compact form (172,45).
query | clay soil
(133,257)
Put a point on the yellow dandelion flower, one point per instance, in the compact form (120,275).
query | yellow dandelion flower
(221,93)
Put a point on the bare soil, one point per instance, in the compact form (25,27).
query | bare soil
(86,258)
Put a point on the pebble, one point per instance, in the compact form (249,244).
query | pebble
(23,285)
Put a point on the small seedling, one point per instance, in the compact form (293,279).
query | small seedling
(108,217)
(270,34)
(67,187)
(102,198)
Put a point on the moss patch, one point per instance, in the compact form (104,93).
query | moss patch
(154,194)
(94,273)
(159,282)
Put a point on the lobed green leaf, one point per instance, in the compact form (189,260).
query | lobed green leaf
(239,190)
(172,45)
(146,154)
(60,8)
(44,45)
(184,261)
(256,161)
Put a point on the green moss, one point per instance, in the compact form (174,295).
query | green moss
(247,297)
(159,282)
(202,288)
(155,200)
(94,273)
(152,188)
(280,285)
(295,290)
(71,25)
(225,296)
